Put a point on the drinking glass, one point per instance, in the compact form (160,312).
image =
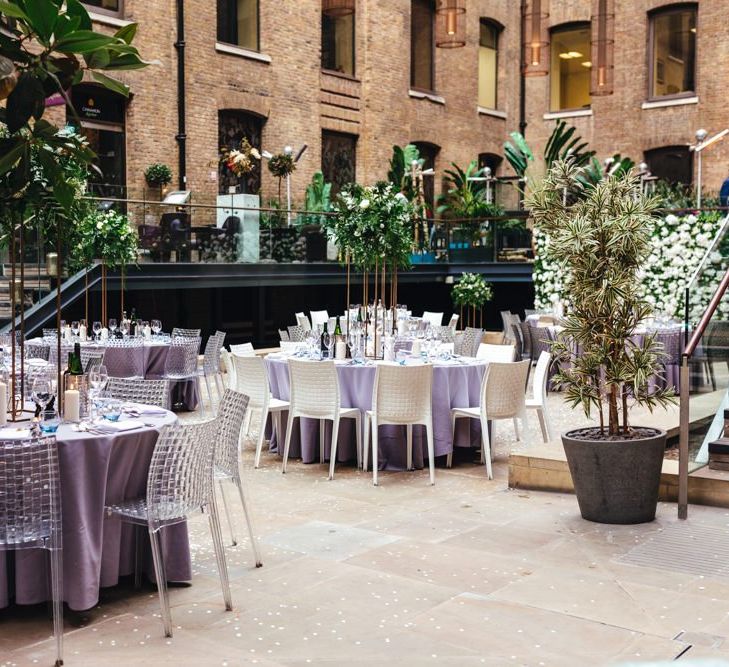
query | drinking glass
(50,421)
(156,327)
(97,330)
(98,375)
(74,328)
(112,325)
(41,392)
(124,328)
(112,410)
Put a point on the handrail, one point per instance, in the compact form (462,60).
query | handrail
(706,317)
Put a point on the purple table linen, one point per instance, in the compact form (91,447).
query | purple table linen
(453,386)
(95,471)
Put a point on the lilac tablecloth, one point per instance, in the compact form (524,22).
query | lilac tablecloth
(456,385)
(95,471)
(154,353)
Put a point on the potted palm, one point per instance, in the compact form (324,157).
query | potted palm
(600,237)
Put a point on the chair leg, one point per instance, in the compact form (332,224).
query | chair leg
(333,450)
(247,422)
(137,556)
(210,394)
(201,396)
(249,523)
(226,509)
(547,423)
(289,428)
(486,447)
(56,555)
(261,437)
(542,425)
(431,450)
(358,426)
(219,552)
(161,577)
(516,429)
(449,458)
(366,449)
(322,431)
(409,438)
(375,451)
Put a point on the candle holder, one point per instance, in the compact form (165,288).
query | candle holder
(80,383)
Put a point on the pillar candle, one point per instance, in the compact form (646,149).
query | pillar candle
(72,405)
(340,350)
(416,347)
(3,404)
(68,334)
(147,333)
(104,334)
(82,332)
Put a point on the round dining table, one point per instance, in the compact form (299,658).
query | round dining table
(456,383)
(96,469)
(154,353)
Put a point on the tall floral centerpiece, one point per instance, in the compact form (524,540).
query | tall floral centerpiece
(240,161)
(472,292)
(372,229)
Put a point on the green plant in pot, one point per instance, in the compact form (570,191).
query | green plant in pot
(600,237)
(158,175)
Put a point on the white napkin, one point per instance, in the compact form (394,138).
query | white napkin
(118,427)
(14,433)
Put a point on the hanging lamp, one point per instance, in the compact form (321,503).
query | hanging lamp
(603,43)
(337,7)
(535,14)
(450,24)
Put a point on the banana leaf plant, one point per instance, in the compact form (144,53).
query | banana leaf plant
(593,172)
(399,173)
(318,198)
(465,197)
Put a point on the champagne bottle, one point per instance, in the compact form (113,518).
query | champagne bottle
(74,361)
(323,341)
(133,323)
(359,315)
(338,331)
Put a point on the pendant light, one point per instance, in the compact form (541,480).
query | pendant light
(337,8)
(603,43)
(536,42)
(450,24)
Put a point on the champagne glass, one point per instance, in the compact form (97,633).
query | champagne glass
(97,330)
(75,328)
(156,327)
(112,325)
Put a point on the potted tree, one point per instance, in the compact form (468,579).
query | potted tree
(600,238)
(158,175)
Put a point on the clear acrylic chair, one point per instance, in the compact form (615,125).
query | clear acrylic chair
(50,334)
(502,397)
(538,400)
(318,318)
(467,344)
(231,414)
(402,395)
(53,355)
(136,390)
(434,319)
(211,365)
(296,334)
(303,321)
(91,356)
(495,353)
(283,335)
(179,332)
(314,393)
(227,359)
(526,339)
(179,483)
(181,362)
(453,322)
(252,380)
(30,511)
(124,358)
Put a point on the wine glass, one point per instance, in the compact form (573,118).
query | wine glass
(41,392)
(112,325)
(97,330)
(156,327)
(98,376)
(75,328)
(124,328)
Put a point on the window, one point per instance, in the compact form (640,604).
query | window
(488,47)
(570,67)
(671,163)
(233,125)
(490,160)
(238,23)
(428,153)
(422,45)
(338,158)
(106,6)
(337,43)
(673,51)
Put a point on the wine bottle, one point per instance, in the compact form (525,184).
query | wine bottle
(133,323)
(324,340)
(74,361)
(338,330)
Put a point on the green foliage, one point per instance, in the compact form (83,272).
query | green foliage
(317,199)
(680,196)
(281,165)
(104,235)
(518,154)
(466,198)
(594,171)
(373,224)
(601,240)
(400,174)
(158,174)
(275,217)
(47,51)
(472,290)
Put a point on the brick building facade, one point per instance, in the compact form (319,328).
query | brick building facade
(281,91)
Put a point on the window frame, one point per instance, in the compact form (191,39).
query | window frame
(432,89)
(498,28)
(665,10)
(333,72)
(258,28)
(566,27)
(118,13)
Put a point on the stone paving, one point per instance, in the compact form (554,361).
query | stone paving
(463,573)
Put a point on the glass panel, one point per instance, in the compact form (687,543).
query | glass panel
(232,127)
(421,45)
(570,71)
(674,52)
(110,5)
(238,23)
(337,43)
(487,65)
(671,163)
(338,159)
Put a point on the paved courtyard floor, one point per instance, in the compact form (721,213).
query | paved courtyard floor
(466,572)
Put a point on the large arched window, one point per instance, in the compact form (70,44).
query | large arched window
(233,125)
(672,48)
(488,61)
(671,163)
(570,67)
(238,23)
(422,44)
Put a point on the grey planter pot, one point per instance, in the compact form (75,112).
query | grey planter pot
(616,482)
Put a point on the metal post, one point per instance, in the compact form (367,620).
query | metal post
(683,449)
(698,181)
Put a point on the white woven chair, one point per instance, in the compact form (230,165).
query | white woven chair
(402,395)
(538,400)
(495,353)
(318,318)
(30,511)
(502,397)
(314,387)
(231,414)
(453,322)
(434,319)
(180,482)
(179,332)
(242,350)
(303,321)
(467,343)
(252,380)
(226,358)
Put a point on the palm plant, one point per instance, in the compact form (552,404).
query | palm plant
(318,198)
(601,238)
(465,197)
(594,171)
(399,173)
